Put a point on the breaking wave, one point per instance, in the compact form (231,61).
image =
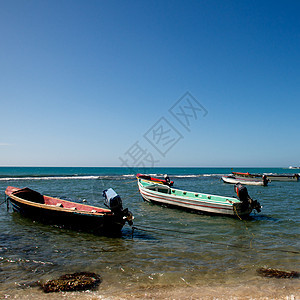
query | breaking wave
(100,177)
(48,178)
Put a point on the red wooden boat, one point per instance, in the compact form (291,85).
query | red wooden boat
(71,214)
(165,181)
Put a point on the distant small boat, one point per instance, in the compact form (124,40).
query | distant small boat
(246,174)
(263,181)
(296,168)
(165,195)
(283,177)
(70,214)
(165,181)
(270,177)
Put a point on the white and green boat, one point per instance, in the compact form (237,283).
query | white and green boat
(163,194)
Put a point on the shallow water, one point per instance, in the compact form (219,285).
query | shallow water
(172,254)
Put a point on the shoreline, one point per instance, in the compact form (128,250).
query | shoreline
(287,289)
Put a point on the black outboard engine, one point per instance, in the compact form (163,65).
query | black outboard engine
(168,181)
(265,180)
(241,192)
(243,195)
(167,178)
(114,202)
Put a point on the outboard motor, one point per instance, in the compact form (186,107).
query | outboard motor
(168,181)
(241,192)
(265,180)
(243,195)
(114,202)
(167,178)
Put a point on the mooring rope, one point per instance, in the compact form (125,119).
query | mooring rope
(131,181)
(247,229)
(5,200)
(155,229)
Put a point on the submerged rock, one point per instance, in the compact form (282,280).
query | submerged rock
(267,272)
(72,282)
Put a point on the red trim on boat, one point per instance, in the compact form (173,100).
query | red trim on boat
(158,180)
(241,173)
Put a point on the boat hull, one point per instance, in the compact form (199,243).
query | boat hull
(95,222)
(243,180)
(195,202)
(270,177)
(275,177)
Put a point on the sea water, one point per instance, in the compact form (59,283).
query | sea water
(171,253)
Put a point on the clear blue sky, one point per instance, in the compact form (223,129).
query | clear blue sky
(81,82)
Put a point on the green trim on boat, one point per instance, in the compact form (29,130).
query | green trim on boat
(159,188)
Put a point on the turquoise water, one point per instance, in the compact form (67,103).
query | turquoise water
(171,248)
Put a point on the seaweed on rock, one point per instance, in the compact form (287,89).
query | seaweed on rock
(72,282)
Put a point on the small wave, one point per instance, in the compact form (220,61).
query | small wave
(102,177)
(213,175)
(22,260)
(49,178)
(157,175)
(197,175)
(185,176)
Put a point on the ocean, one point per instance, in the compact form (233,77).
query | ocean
(172,254)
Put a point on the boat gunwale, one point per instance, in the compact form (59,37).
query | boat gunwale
(57,208)
(227,201)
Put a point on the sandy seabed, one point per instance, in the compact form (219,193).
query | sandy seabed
(265,290)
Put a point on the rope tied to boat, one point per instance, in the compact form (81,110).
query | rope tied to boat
(5,200)
(130,181)
(245,247)
(253,236)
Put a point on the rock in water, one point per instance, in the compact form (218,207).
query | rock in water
(72,282)
(267,272)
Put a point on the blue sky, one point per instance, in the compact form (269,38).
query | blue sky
(83,82)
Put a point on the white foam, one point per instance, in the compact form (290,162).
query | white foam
(48,178)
